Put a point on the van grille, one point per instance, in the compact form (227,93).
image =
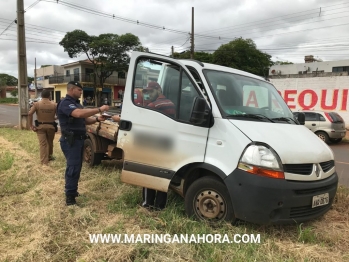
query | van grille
(326,166)
(297,212)
(301,169)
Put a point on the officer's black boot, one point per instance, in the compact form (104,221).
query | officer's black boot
(70,200)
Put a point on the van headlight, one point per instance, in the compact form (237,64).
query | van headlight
(261,160)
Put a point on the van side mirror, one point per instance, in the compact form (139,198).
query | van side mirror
(197,114)
(301,118)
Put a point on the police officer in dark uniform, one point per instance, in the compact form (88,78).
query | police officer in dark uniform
(73,119)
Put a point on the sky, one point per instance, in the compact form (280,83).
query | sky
(287,30)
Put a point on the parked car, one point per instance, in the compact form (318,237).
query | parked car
(328,126)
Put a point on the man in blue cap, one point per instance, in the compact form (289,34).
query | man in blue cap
(73,119)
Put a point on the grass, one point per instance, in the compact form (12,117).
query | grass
(35,225)
(8,100)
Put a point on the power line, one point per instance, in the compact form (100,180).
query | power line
(258,22)
(113,16)
(32,5)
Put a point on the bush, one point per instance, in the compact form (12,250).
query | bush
(8,100)
(14,92)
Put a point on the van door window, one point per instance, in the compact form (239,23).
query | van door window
(164,87)
(156,86)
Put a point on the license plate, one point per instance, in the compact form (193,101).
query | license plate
(321,200)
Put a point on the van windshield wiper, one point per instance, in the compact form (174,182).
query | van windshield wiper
(255,116)
(287,119)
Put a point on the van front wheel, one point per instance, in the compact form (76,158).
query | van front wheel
(208,199)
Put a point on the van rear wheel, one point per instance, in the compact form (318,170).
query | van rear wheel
(90,157)
(323,136)
(208,199)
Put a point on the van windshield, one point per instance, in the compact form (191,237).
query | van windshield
(244,98)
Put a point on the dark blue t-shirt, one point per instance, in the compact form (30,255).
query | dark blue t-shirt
(65,107)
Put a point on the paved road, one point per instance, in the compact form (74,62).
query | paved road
(9,117)
(341,153)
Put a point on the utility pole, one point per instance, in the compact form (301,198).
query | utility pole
(22,68)
(36,87)
(172,52)
(192,34)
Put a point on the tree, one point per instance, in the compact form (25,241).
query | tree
(107,52)
(243,54)
(30,79)
(14,92)
(199,56)
(282,63)
(8,80)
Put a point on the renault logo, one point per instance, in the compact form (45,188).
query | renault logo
(317,170)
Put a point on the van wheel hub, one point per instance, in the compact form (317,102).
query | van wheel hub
(209,204)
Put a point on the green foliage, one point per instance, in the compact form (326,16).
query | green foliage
(9,100)
(14,92)
(282,63)
(107,52)
(6,160)
(8,80)
(199,56)
(243,54)
(306,234)
(30,79)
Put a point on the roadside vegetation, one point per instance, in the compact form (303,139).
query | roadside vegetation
(13,100)
(35,225)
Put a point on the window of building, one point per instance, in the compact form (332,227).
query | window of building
(340,69)
(76,74)
(67,72)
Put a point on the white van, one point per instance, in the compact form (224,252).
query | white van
(233,150)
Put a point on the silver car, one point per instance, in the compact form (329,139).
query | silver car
(328,126)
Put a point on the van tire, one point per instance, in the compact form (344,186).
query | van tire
(90,157)
(208,199)
(323,136)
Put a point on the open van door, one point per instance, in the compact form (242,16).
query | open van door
(157,142)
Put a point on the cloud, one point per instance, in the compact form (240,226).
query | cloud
(287,30)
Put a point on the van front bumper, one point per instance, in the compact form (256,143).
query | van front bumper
(265,200)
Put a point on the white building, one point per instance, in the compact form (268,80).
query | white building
(44,73)
(310,67)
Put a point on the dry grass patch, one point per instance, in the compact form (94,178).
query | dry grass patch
(35,225)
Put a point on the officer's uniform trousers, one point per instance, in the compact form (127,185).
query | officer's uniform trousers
(74,156)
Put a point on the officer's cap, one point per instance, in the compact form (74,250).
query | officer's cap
(75,83)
